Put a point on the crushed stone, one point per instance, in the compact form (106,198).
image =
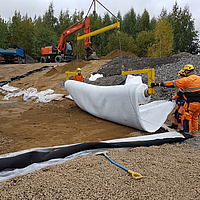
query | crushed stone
(166,68)
(169,172)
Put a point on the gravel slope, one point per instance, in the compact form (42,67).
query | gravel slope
(166,69)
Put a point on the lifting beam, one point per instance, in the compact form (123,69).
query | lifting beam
(104,29)
(70,73)
(151,77)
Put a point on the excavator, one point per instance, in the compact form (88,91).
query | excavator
(64,50)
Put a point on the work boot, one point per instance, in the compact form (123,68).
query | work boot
(187,135)
(174,126)
(194,134)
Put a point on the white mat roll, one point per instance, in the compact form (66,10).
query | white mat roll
(120,104)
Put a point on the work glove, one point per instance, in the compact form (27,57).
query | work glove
(154,84)
(162,84)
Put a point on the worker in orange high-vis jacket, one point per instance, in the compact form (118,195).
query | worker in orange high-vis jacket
(79,77)
(191,87)
(180,99)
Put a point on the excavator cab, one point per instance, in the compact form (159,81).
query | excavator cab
(69,48)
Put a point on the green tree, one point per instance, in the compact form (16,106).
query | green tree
(103,37)
(129,23)
(64,21)
(153,23)
(185,35)
(28,28)
(127,42)
(49,19)
(43,37)
(4,34)
(15,30)
(95,24)
(164,38)
(144,22)
(119,16)
(143,41)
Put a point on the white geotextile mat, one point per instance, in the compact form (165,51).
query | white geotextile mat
(121,103)
(95,77)
(30,94)
(4,175)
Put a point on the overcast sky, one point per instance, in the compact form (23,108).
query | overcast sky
(154,7)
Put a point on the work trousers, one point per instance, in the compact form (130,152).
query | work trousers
(190,122)
(178,119)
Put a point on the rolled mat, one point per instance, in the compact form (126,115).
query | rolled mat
(121,104)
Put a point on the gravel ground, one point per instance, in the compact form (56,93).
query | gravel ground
(169,172)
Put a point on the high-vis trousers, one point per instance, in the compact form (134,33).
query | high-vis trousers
(179,117)
(190,122)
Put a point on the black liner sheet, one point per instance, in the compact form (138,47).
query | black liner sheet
(26,159)
(2,83)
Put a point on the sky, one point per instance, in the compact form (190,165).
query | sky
(154,7)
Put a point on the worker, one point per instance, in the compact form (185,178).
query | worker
(191,87)
(180,100)
(79,77)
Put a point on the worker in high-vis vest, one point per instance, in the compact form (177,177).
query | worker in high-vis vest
(191,87)
(79,77)
(180,99)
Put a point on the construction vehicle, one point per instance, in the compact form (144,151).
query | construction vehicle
(13,54)
(64,49)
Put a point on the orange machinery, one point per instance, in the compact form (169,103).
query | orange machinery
(64,49)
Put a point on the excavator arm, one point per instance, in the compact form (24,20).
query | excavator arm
(72,29)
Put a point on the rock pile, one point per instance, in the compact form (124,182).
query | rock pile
(166,68)
(29,59)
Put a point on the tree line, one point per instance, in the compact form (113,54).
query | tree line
(168,34)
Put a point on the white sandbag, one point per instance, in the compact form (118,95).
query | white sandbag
(120,103)
(9,88)
(31,94)
(95,77)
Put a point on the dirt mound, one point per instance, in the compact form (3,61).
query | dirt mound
(116,53)
(72,66)
(51,72)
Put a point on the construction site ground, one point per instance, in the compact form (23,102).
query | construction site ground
(26,124)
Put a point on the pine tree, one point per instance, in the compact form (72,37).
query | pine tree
(129,23)
(15,30)
(127,42)
(27,34)
(144,22)
(143,41)
(4,34)
(49,19)
(185,36)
